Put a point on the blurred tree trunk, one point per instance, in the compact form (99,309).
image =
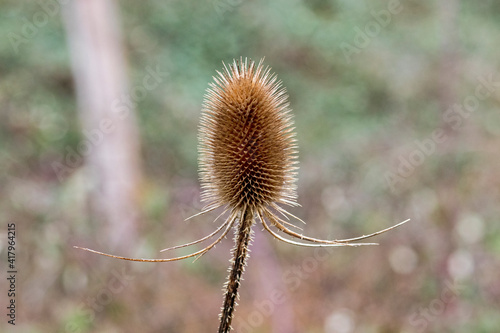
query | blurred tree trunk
(113,160)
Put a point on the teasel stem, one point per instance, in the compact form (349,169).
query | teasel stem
(240,253)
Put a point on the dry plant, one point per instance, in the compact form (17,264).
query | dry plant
(248,165)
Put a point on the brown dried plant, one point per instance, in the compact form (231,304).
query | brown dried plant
(248,165)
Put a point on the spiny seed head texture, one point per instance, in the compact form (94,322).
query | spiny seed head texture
(247,147)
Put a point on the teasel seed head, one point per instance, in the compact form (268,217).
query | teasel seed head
(247,143)
(248,163)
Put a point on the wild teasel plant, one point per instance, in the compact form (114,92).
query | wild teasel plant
(248,165)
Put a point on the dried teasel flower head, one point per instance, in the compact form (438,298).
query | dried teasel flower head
(248,159)
(248,164)
(247,145)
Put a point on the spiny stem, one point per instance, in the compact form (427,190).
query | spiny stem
(240,253)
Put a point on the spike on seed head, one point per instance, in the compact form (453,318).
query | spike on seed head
(246,142)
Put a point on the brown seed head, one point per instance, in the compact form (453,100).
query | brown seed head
(248,162)
(246,142)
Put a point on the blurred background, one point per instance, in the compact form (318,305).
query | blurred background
(396,112)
